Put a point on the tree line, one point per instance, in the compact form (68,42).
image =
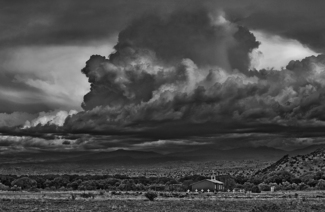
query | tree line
(281,180)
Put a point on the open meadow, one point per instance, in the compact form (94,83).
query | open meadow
(136,201)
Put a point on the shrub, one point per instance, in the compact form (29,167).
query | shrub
(248,186)
(87,195)
(33,189)
(302,186)
(268,207)
(15,188)
(73,196)
(264,187)
(150,195)
(321,184)
(4,187)
(255,189)
(24,183)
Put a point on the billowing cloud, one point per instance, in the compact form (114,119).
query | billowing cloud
(203,37)
(176,77)
(149,49)
(15,119)
(56,118)
(150,87)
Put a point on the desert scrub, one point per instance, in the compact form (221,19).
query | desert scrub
(150,195)
(267,207)
(73,196)
(87,195)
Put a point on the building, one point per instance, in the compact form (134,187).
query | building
(208,184)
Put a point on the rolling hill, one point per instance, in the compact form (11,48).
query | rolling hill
(299,164)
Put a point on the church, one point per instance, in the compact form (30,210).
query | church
(208,184)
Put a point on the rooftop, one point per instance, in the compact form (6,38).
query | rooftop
(210,180)
(215,181)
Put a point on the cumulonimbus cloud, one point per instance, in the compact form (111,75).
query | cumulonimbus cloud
(192,68)
(172,80)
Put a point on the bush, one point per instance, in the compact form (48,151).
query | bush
(87,195)
(248,186)
(302,186)
(24,183)
(15,188)
(150,195)
(270,207)
(33,189)
(321,184)
(255,189)
(4,187)
(264,187)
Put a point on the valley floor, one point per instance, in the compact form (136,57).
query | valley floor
(25,201)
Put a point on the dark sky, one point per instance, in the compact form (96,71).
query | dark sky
(161,75)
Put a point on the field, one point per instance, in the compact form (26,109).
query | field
(62,201)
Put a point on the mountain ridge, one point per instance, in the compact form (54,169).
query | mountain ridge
(298,165)
(122,156)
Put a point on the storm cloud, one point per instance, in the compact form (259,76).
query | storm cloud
(52,38)
(180,73)
(150,86)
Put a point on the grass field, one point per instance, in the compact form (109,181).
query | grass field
(62,201)
(160,205)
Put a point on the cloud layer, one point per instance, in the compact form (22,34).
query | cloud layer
(162,79)
(177,77)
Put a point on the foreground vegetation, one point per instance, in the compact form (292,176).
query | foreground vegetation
(211,203)
(302,191)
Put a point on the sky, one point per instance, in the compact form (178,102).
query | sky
(163,76)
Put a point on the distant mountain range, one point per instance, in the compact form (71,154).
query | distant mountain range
(263,153)
(127,157)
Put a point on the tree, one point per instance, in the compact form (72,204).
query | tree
(241,179)
(264,187)
(150,195)
(3,187)
(24,183)
(248,186)
(285,186)
(321,184)
(59,182)
(319,175)
(256,180)
(87,185)
(230,184)
(255,189)
(307,177)
(302,186)
(75,184)
(279,177)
